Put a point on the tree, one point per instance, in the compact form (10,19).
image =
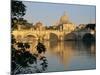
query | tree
(23,59)
(91,26)
(18,9)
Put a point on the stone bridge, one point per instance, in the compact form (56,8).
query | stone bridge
(52,35)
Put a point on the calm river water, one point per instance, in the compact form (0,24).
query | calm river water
(69,55)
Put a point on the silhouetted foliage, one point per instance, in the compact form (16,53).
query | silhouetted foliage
(91,26)
(44,63)
(41,48)
(13,40)
(26,45)
(18,9)
(22,59)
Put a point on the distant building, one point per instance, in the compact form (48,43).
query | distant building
(65,24)
(39,26)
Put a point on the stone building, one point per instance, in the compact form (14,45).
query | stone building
(65,24)
(39,26)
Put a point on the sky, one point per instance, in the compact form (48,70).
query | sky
(50,13)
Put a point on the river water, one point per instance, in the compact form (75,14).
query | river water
(68,55)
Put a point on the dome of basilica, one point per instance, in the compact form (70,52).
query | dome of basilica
(64,19)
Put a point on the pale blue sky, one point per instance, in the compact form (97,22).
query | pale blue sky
(50,13)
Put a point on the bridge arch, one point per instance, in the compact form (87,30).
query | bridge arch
(88,37)
(30,37)
(53,37)
(70,36)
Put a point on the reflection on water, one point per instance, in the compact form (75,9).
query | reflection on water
(69,55)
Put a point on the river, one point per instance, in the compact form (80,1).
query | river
(68,55)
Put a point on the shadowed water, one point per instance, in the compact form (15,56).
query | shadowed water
(69,55)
